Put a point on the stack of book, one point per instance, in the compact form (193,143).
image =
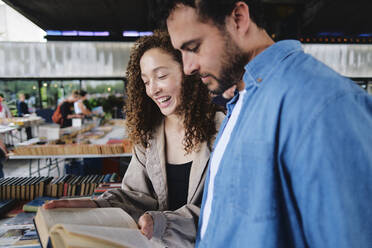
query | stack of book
(23,188)
(72,149)
(29,188)
(71,185)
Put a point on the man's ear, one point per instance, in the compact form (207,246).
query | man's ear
(240,18)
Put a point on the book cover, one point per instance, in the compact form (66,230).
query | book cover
(48,187)
(82,185)
(42,185)
(33,188)
(114,177)
(88,183)
(3,183)
(33,205)
(106,178)
(62,185)
(21,219)
(14,186)
(76,186)
(68,185)
(23,187)
(29,188)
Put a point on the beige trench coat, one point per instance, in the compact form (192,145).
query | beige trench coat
(144,189)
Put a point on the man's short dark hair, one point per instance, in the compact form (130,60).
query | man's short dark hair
(2,95)
(218,10)
(166,7)
(214,10)
(82,93)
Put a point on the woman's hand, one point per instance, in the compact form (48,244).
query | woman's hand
(78,203)
(146,225)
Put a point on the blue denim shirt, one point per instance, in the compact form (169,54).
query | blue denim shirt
(297,171)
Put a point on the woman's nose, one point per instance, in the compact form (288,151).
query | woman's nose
(154,88)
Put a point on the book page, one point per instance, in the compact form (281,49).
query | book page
(97,236)
(114,217)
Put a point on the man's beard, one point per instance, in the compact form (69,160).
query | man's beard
(232,66)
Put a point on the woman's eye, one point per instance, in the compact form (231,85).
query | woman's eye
(145,82)
(162,76)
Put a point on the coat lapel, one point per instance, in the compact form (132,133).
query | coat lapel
(156,166)
(198,167)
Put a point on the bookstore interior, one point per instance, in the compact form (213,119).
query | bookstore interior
(88,155)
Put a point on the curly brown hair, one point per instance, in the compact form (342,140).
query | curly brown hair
(142,113)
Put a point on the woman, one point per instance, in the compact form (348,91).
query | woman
(172,122)
(79,105)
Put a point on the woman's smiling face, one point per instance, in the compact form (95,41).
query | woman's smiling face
(162,77)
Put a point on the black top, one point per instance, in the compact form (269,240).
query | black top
(178,184)
(22,109)
(67,108)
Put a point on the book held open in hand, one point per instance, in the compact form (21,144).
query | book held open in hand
(88,227)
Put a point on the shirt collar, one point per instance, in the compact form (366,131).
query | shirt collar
(260,68)
(230,104)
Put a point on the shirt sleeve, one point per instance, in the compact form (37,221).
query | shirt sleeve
(331,174)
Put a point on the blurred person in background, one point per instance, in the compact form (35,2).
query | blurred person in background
(79,105)
(4,109)
(22,109)
(67,110)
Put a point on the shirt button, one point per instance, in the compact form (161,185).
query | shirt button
(259,80)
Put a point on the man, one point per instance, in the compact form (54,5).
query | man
(292,164)
(22,110)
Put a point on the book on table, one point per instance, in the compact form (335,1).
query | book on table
(88,227)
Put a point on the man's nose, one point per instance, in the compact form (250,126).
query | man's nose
(190,64)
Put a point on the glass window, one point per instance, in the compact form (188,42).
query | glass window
(11,90)
(53,92)
(103,86)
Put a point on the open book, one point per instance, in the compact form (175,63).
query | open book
(88,227)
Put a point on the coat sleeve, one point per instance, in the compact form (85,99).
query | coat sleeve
(137,194)
(176,228)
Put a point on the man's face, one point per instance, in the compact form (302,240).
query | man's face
(206,50)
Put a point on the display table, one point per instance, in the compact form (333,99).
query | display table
(8,125)
(56,154)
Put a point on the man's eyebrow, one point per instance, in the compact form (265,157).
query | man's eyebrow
(188,43)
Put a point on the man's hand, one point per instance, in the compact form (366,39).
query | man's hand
(82,203)
(146,225)
(229,93)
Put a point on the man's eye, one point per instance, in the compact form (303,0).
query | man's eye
(194,48)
